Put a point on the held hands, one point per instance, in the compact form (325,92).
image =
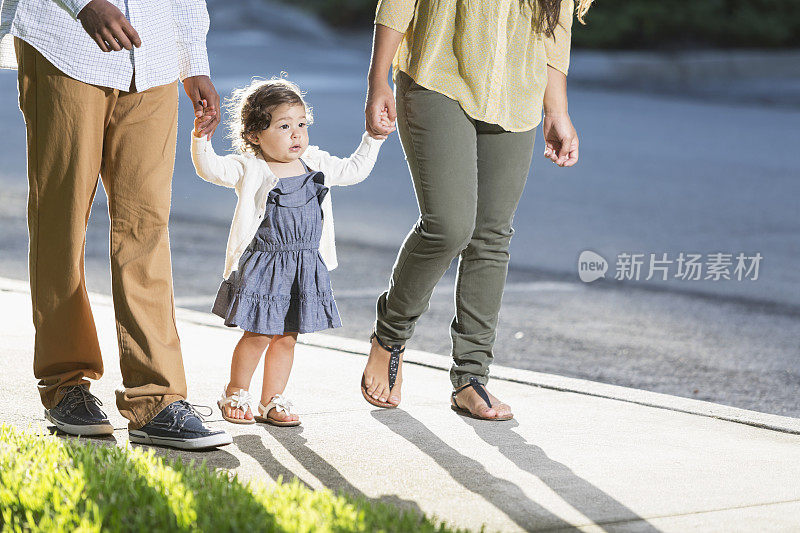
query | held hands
(380,111)
(385,123)
(108,26)
(560,140)
(206,105)
(205,116)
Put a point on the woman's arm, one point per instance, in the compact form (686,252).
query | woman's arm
(557,47)
(379,94)
(560,137)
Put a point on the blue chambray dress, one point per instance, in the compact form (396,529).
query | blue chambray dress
(282,285)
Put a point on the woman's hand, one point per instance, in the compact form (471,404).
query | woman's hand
(385,122)
(560,140)
(380,110)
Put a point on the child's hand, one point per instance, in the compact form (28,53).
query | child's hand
(208,114)
(387,124)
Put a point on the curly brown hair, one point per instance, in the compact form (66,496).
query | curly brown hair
(250,109)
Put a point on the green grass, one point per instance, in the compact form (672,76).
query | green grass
(53,484)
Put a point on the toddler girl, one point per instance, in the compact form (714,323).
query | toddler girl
(281,242)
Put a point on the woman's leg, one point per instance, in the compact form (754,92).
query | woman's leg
(504,160)
(439,141)
(277,367)
(245,359)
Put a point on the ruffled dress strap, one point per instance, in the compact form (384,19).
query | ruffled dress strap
(297,191)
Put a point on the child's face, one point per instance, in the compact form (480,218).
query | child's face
(286,138)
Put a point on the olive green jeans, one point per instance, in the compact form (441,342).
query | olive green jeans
(468,177)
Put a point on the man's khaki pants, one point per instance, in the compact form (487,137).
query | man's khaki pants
(77,132)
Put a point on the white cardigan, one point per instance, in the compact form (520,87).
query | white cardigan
(252,179)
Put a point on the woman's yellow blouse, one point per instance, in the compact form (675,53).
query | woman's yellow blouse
(484,54)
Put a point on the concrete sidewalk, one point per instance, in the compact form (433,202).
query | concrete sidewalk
(569,460)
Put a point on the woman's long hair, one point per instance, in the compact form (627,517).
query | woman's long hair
(547,12)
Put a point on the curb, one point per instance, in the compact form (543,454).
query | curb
(782,424)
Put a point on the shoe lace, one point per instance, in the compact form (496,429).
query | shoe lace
(192,410)
(83,396)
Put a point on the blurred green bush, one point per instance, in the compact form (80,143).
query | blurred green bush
(340,13)
(665,24)
(653,24)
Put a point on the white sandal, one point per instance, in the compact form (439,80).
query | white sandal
(281,404)
(240,399)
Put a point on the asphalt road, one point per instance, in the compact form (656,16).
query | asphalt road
(657,174)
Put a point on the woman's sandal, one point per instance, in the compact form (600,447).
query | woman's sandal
(240,399)
(394,365)
(281,405)
(481,390)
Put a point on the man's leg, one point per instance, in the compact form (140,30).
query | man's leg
(504,160)
(138,161)
(64,119)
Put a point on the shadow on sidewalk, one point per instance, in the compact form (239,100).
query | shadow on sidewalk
(592,502)
(216,458)
(253,446)
(473,476)
(106,440)
(291,439)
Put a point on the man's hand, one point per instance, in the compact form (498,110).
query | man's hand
(201,119)
(205,100)
(108,26)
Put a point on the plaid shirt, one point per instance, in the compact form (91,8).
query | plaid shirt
(173,34)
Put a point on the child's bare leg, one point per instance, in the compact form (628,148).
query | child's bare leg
(245,359)
(277,367)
